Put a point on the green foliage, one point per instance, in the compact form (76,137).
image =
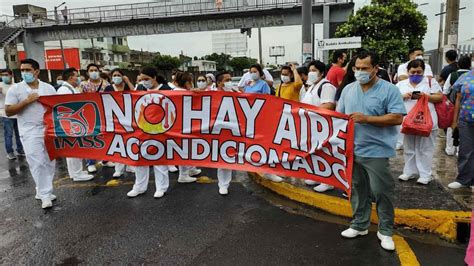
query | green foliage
(222,60)
(241,63)
(166,62)
(389,28)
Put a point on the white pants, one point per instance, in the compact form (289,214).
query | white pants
(224,176)
(418,152)
(41,167)
(74,167)
(450,141)
(183,170)
(400,138)
(142,175)
(120,168)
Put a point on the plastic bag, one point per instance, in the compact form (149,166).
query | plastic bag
(418,121)
(445,112)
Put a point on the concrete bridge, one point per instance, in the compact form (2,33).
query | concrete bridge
(175,16)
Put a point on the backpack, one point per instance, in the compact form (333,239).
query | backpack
(454,77)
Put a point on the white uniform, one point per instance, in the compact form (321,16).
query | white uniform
(74,165)
(328,93)
(31,128)
(418,150)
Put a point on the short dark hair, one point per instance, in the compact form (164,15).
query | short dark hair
(91,65)
(302,70)
(149,71)
(116,70)
(412,50)
(220,75)
(160,79)
(259,69)
(34,64)
(7,70)
(416,63)
(374,58)
(68,72)
(182,78)
(319,66)
(337,54)
(451,55)
(465,62)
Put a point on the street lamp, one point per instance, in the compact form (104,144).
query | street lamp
(56,17)
(60,40)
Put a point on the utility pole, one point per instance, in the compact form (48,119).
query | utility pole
(56,17)
(306,31)
(440,38)
(451,25)
(260,58)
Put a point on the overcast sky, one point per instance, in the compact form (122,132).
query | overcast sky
(198,44)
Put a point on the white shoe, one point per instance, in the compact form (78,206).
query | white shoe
(424,180)
(223,191)
(450,152)
(83,178)
(172,169)
(455,185)
(46,203)
(117,174)
(133,193)
(51,197)
(399,147)
(91,169)
(406,177)
(130,169)
(310,182)
(323,188)
(109,164)
(273,178)
(186,179)
(158,194)
(352,233)
(194,171)
(386,242)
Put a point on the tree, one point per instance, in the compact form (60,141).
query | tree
(222,60)
(166,62)
(389,28)
(241,63)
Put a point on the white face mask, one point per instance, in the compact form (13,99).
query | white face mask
(228,85)
(419,57)
(201,84)
(285,79)
(94,75)
(255,76)
(313,77)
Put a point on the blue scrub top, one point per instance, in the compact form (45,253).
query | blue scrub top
(259,87)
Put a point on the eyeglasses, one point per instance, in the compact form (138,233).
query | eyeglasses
(201,80)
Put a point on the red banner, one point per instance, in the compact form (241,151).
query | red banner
(250,132)
(54,59)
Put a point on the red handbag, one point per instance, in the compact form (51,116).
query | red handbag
(418,121)
(445,112)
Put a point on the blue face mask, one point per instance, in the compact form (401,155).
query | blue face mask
(6,79)
(117,80)
(60,82)
(362,76)
(147,84)
(416,78)
(94,75)
(28,77)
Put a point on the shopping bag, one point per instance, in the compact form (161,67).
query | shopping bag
(418,121)
(445,112)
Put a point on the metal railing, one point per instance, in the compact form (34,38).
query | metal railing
(167,8)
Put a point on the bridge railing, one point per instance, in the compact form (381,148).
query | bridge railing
(166,8)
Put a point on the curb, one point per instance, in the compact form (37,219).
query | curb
(443,223)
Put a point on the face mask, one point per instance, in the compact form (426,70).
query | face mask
(117,80)
(416,78)
(228,84)
(147,84)
(255,76)
(60,82)
(79,80)
(6,79)
(313,77)
(94,75)
(28,77)
(362,76)
(285,79)
(419,57)
(201,84)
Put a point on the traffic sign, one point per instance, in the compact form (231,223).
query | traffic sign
(340,43)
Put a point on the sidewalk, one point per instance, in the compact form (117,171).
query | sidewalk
(434,207)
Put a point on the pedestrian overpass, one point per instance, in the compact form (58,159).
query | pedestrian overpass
(174,16)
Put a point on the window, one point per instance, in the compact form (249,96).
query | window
(114,40)
(85,55)
(13,58)
(120,41)
(100,39)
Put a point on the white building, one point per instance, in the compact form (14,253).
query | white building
(231,43)
(204,65)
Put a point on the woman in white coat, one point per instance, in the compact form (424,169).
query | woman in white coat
(320,93)
(418,150)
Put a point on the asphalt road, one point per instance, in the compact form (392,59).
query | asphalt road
(92,223)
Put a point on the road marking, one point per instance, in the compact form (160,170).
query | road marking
(440,222)
(405,254)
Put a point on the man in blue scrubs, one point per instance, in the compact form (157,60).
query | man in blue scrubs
(376,106)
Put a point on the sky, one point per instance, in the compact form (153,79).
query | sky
(289,36)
